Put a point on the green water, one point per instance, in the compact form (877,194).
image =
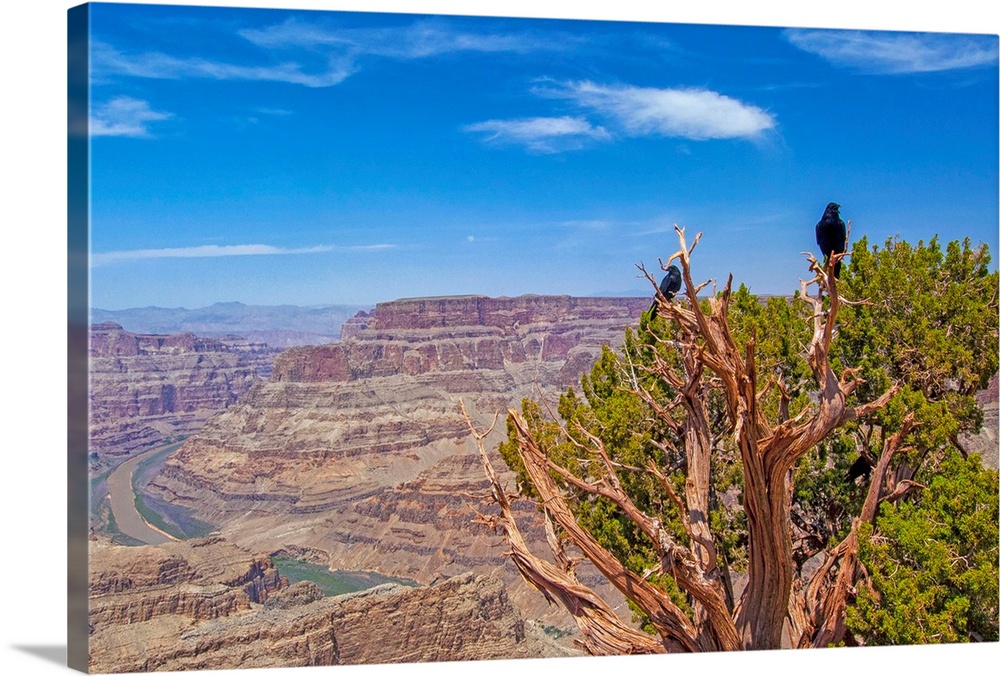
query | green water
(173,519)
(333,582)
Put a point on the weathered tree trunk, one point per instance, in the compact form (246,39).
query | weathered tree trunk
(827,595)
(768,452)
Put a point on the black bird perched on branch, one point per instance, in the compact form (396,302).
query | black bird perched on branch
(831,235)
(669,287)
(861,467)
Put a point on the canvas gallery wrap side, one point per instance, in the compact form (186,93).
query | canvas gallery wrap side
(410,338)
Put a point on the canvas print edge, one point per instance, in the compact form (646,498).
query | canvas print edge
(78,299)
(78,281)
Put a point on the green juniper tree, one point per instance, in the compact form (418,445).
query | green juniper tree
(704,466)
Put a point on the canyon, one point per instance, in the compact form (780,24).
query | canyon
(207,604)
(358,451)
(146,389)
(354,455)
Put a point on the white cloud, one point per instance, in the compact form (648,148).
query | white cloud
(279,112)
(123,116)
(541,134)
(106,60)
(215,251)
(420,39)
(894,53)
(342,47)
(697,114)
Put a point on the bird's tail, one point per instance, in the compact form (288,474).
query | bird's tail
(653,309)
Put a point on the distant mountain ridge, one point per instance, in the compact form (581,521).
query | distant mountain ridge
(276,325)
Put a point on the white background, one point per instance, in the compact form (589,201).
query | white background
(33,362)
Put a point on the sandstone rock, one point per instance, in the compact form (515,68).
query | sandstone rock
(145,389)
(200,579)
(197,618)
(299,594)
(352,326)
(359,449)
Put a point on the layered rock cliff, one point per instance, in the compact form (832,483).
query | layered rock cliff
(198,579)
(359,448)
(207,604)
(145,389)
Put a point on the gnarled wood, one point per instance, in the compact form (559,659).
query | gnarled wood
(768,451)
(604,633)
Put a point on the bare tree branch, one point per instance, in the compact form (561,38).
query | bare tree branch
(826,625)
(712,361)
(604,633)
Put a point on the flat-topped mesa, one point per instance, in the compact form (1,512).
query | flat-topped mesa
(415,336)
(503,312)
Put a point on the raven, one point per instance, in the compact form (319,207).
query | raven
(861,467)
(831,235)
(669,287)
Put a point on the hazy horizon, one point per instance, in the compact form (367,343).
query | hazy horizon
(634,293)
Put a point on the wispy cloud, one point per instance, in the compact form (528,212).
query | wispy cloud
(339,49)
(106,61)
(216,251)
(124,116)
(278,112)
(420,39)
(541,134)
(895,53)
(696,114)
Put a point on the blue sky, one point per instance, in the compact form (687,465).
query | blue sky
(275,156)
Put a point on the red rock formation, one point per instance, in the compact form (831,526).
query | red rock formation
(463,618)
(145,389)
(201,579)
(359,449)
(461,333)
(356,323)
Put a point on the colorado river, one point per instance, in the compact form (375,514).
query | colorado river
(122,497)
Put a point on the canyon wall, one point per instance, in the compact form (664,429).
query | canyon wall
(146,389)
(359,449)
(206,604)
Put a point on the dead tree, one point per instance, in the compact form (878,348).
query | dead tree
(768,450)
